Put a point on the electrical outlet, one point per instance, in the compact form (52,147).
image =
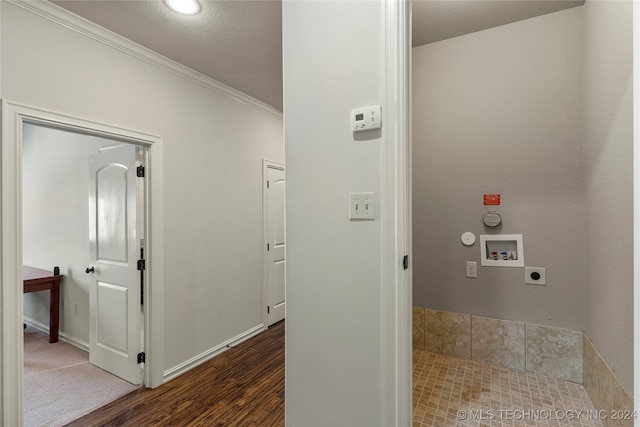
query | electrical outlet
(535,275)
(472,269)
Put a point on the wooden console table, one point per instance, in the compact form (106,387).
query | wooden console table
(35,280)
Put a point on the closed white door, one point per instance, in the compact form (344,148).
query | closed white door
(276,277)
(115,309)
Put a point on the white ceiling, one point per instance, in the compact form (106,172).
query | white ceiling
(239,42)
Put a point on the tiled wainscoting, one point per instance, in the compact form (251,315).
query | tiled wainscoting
(603,386)
(553,352)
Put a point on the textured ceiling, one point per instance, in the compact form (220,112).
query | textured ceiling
(239,42)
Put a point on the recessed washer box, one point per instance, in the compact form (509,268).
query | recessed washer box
(501,250)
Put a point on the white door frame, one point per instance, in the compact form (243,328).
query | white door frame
(396,280)
(265,238)
(636,204)
(14,116)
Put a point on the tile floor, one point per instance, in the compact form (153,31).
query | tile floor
(449,391)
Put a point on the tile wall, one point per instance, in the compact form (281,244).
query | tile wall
(536,349)
(604,388)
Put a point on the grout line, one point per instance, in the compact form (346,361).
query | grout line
(525,349)
(471,316)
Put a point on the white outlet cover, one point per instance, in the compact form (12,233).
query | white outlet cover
(540,270)
(472,269)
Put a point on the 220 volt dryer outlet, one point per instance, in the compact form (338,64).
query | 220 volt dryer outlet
(535,276)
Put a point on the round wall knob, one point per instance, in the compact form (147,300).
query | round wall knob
(535,275)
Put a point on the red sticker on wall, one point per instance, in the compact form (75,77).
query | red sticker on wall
(491,199)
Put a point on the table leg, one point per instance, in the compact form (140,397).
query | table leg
(54,312)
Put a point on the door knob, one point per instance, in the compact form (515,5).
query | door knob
(91,269)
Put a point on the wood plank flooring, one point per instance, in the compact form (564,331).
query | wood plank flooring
(242,387)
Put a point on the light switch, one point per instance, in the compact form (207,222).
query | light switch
(362,206)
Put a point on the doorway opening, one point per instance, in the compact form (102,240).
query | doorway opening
(83,213)
(273,230)
(17,118)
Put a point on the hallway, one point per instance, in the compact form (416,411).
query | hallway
(243,386)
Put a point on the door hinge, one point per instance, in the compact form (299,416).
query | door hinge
(268,247)
(141,357)
(142,265)
(267,184)
(268,310)
(405,262)
(140,171)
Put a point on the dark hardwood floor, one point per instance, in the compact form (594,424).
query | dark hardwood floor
(244,386)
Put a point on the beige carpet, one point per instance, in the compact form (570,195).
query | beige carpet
(60,384)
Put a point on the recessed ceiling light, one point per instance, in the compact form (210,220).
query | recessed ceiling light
(186,7)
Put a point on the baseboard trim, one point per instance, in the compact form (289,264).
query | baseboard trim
(188,365)
(69,339)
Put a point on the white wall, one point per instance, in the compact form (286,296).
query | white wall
(333,62)
(213,151)
(499,111)
(608,138)
(56,220)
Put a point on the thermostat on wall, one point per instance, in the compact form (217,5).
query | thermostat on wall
(366,118)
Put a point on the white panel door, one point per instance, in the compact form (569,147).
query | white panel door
(276,278)
(114,330)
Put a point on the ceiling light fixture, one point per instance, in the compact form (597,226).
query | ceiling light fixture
(186,7)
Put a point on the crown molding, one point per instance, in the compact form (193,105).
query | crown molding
(64,18)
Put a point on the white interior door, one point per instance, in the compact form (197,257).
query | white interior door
(276,277)
(114,330)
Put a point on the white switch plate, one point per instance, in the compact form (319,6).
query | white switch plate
(530,280)
(366,118)
(472,269)
(362,206)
